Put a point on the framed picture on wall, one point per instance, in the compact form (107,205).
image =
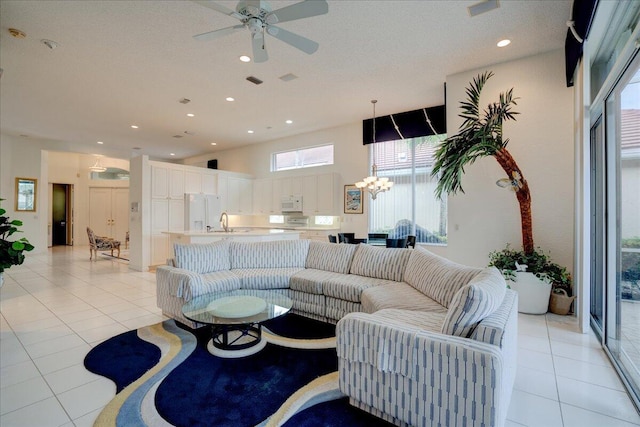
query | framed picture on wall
(26,194)
(352,199)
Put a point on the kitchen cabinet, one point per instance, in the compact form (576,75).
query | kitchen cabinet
(236,194)
(204,181)
(167,207)
(320,194)
(263,200)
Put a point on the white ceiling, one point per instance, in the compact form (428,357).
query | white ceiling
(120,63)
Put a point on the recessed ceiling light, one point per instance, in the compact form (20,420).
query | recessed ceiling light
(503,43)
(134,127)
(289,122)
(172,154)
(230,99)
(245,58)
(249,131)
(100,142)
(190,115)
(213,143)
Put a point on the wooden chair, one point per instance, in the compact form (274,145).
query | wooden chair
(397,243)
(101,243)
(411,241)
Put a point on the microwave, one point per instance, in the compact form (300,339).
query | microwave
(291,204)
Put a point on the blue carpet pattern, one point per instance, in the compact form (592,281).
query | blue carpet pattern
(165,376)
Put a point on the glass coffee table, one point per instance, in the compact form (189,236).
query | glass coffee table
(236,318)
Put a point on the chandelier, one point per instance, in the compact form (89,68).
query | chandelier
(97,167)
(374,184)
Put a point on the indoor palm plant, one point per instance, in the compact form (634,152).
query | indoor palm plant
(480,135)
(11,252)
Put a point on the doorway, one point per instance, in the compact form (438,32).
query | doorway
(62,215)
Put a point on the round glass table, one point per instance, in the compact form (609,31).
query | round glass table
(236,318)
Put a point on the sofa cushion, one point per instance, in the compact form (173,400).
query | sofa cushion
(437,277)
(203,258)
(330,257)
(310,280)
(400,296)
(425,320)
(349,287)
(475,301)
(380,263)
(265,278)
(275,254)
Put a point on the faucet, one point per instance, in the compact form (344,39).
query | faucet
(224,221)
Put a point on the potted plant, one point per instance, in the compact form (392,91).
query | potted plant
(541,284)
(11,252)
(480,135)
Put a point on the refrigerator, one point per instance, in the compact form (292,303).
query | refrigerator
(202,211)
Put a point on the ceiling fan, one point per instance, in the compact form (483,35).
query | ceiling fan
(259,18)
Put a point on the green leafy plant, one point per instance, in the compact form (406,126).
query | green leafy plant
(11,252)
(537,262)
(480,135)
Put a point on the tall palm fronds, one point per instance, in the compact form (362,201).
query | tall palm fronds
(480,135)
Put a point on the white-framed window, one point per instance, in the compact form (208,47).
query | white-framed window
(410,207)
(308,157)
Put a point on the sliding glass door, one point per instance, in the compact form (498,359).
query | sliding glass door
(615,234)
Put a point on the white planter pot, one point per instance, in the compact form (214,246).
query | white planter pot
(533,293)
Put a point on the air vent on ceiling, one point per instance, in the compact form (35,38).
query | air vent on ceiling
(177,136)
(483,6)
(254,80)
(288,77)
(184,101)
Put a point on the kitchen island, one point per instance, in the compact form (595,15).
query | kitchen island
(243,235)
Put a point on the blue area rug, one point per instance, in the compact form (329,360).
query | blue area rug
(184,385)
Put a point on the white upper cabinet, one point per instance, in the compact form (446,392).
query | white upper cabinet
(204,181)
(167,181)
(236,194)
(263,200)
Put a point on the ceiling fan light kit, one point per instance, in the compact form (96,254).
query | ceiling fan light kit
(259,18)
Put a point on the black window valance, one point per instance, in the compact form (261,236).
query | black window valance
(582,15)
(411,124)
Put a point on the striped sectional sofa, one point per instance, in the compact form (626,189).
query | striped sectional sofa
(421,340)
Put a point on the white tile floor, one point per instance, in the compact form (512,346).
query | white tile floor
(57,306)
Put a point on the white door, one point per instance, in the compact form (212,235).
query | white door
(109,212)
(100,211)
(119,213)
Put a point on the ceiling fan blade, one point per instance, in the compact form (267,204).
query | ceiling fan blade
(259,50)
(219,8)
(304,9)
(218,33)
(299,42)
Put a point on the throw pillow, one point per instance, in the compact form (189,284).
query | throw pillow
(437,277)
(473,302)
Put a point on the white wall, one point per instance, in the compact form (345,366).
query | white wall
(20,159)
(350,162)
(487,217)
(31,158)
